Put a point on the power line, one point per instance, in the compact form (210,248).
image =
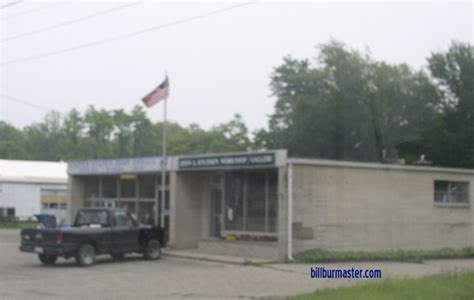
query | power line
(30,11)
(10,4)
(73,21)
(24,102)
(128,35)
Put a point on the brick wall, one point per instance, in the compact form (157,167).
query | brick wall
(339,208)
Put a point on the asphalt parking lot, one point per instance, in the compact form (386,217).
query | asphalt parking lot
(22,276)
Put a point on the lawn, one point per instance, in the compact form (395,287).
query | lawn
(441,287)
(317,255)
(18,225)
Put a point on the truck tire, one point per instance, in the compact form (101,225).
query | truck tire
(152,250)
(47,259)
(85,255)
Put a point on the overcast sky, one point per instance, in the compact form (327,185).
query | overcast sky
(218,66)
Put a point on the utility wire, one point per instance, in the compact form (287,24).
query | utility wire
(30,11)
(128,35)
(24,102)
(10,4)
(73,21)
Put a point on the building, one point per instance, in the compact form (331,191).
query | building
(264,204)
(32,187)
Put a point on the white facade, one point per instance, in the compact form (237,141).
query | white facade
(26,186)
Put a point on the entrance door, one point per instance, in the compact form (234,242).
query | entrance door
(216,188)
(216,212)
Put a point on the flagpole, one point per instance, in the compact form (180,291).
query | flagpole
(163,169)
(157,95)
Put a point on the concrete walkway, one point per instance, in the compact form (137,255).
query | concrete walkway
(194,254)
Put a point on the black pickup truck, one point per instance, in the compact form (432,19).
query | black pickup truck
(95,231)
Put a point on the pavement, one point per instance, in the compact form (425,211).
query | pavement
(196,255)
(22,276)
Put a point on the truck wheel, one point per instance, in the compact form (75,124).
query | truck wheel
(85,255)
(47,259)
(152,250)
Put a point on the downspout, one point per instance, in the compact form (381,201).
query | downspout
(290,210)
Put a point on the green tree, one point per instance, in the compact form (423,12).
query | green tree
(42,139)
(123,125)
(234,134)
(346,106)
(12,143)
(99,125)
(144,139)
(72,136)
(451,141)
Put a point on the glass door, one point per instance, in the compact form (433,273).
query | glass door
(216,212)
(216,188)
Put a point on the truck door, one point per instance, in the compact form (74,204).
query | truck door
(125,233)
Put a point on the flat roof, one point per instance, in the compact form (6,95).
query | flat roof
(231,160)
(379,166)
(28,171)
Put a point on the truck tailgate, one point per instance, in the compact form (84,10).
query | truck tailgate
(38,237)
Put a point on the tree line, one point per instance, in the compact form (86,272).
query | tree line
(100,133)
(342,105)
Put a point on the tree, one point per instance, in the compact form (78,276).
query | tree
(123,128)
(144,139)
(451,141)
(42,139)
(346,106)
(99,126)
(72,135)
(12,143)
(234,134)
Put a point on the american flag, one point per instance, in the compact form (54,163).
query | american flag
(158,94)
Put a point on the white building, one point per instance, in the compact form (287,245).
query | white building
(32,187)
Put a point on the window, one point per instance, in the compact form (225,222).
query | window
(122,219)
(251,201)
(146,212)
(98,204)
(52,198)
(451,192)
(272,201)
(256,201)
(92,217)
(146,186)
(109,187)
(128,206)
(10,212)
(127,188)
(62,205)
(91,188)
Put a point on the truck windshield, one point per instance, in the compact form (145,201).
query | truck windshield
(92,218)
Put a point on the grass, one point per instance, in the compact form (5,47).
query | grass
(313,256)
(440,287)
(18,225)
